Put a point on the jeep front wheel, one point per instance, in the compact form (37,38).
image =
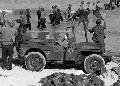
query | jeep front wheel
(35,61)
(93,63)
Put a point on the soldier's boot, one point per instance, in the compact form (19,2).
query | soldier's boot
(29,26)
(38,24)
(9,64)
(4,64)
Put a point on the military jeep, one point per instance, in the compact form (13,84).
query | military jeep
(38,49)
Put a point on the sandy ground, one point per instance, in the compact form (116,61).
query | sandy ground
(21,77)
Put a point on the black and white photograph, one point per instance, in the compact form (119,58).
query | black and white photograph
(59,42)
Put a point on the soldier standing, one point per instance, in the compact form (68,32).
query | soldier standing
(83,18)
(7,37)
(96,11)
(58,17)
(83,15)
(3,16)
(43,19)
(55,8)
(39,16)
(69,10)
(53,15)
(2,20)
(28,18)
(23,20)
(99,34)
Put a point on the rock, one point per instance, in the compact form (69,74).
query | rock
(110,77)
(117,83)
(116,70)
(111,64)
(93,80)
(48,83)
(62,79)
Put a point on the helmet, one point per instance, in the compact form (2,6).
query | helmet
(56,6)
(18,20)
(70,5)
(21,12)
(82,2)
(88,2)
(98,21)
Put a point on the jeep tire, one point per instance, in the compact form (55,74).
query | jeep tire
(35,61)
(93,63)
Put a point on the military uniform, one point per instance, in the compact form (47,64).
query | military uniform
(58,17)
(7,37)
(83,16)
(43,19)
(99,35)
(3,17)
(96,12)
(28,16)
(69,11)
(23,20)
(39,16)
(53,15)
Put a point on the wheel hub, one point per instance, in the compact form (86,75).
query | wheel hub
(35,62)
(94,64)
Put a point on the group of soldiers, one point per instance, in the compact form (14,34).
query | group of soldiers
(98,31)
(56,16)
(81,15)
(111,5)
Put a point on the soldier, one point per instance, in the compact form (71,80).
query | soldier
(7,37)
(19,36)
(3,17)
(83,15)
(58,17)
(99,34)
(28,18)
(117,3)
(52,16)
(43,19)
(39,16)
(69,11)
(28,15)
(96,11)
(83,18)
(55,9)
(23,20)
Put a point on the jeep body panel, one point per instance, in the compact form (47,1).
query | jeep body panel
(56,52)
(35,45)
(59,53)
